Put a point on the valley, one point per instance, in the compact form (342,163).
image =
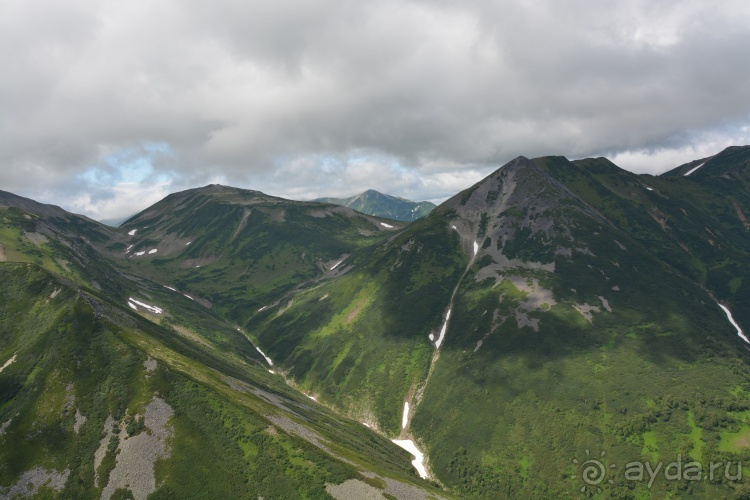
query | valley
(285,349)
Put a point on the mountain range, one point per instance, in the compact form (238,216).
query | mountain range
(555,315)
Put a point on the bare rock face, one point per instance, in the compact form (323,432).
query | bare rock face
(515,224)
(30,481)
(519,201)
(137,454)
(102,450)
(80,420)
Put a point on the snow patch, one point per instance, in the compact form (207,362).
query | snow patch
(8,363)
(268,360)
(169,288)
(405,418)
(132,233)
(442,330)
(734,323)
(153,309)
(418,461)
(138,254)
(189,242)
(650,189)
(386,225)
(132,306)
(454,227)
(336,264)
(153,250)
(128,249)
(188,296)
(694,169)
(476,247)
(262,309)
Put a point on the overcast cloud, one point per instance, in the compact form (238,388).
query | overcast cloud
(110,105)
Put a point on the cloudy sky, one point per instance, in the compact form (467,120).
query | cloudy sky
(107,106)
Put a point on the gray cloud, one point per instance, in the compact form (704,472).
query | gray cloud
(330,97)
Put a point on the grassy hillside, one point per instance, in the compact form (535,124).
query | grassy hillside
(97,387)
(237,250)
(694,225)
(359,342)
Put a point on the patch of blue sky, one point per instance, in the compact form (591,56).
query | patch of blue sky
(128,165)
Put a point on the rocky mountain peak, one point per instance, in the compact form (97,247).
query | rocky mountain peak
(519,201)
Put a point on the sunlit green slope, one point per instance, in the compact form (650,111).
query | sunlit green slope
(113,385)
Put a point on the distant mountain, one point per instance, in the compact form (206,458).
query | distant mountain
(555,315)
(372,202)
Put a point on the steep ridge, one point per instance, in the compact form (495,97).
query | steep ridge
(695,226)
(359,341)
(731,163)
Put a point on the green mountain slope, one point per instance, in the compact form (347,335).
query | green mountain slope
(554,313)
(359,340)
(576,325)
(125,387)
(372,202)
(240,250)
(608,348)
(694,225)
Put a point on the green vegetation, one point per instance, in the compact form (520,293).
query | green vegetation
(74,356)
(585,323)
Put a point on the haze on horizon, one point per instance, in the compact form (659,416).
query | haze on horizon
(109,106)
